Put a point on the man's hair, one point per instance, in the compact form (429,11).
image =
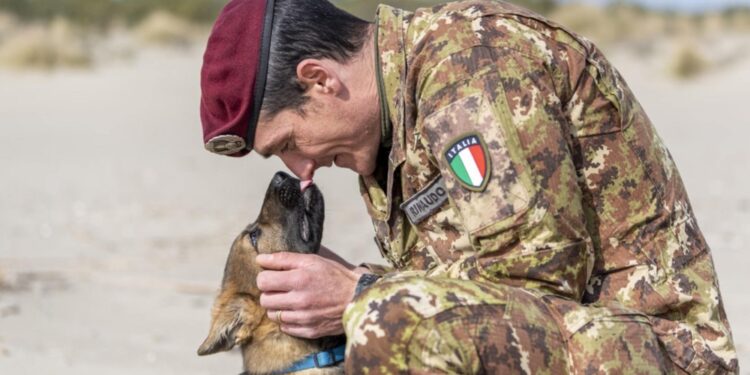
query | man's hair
(306,29)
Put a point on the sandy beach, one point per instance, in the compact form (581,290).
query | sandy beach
(115,223)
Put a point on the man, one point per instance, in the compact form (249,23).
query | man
(534,221)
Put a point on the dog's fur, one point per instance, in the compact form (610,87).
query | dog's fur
(289,221)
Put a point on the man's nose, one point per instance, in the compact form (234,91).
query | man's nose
(302,167)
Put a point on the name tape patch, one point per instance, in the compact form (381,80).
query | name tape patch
(424,203)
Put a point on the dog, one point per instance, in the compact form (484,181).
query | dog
(289,220)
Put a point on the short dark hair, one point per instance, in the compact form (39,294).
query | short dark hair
(304,29)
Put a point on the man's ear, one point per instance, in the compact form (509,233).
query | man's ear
(231,325)
(319,76)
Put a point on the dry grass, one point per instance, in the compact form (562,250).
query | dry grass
(165,29)
(738,20)
(713,24)
(45,46)
(587,20)
(60,44)
(612,25)
(652,35)
(628,24)
(688,62)
(8,22)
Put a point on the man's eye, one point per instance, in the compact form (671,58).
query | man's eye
(254,237)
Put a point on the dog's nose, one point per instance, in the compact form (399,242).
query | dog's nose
(279,178)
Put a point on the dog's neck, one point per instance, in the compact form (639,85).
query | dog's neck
(286,349)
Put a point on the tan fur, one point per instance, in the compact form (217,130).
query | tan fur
(238,319)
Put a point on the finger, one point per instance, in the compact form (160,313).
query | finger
(283,301)
(293,318)
(328,254)
(301,331)
(283,261)
(278,281)
(278,316)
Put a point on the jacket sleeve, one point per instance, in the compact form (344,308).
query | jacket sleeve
(498,135)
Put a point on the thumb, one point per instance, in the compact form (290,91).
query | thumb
(282,261)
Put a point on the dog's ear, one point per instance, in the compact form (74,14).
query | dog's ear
(232,324)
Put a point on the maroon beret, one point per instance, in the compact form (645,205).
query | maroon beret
(234,76)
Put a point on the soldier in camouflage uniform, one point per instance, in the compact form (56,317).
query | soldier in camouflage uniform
(534,221)
(575,249)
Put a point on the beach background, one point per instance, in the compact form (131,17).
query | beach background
(115,223)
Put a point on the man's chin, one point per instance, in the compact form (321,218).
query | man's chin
(363,170)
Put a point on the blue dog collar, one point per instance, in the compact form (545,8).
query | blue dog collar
(322,359)
(326,358)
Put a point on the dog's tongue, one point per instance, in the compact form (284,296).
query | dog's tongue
(303,185)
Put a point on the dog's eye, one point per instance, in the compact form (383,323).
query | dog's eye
(254,234)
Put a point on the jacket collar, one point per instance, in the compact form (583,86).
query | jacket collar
(390,60)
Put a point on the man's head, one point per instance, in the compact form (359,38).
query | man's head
(320,104)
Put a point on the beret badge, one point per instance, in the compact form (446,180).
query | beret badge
(225,144)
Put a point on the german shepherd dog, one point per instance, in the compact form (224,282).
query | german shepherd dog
(289,220)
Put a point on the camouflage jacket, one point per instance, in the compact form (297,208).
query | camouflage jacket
(572,191)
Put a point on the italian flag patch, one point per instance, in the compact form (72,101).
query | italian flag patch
(469,161)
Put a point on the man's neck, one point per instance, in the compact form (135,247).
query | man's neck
(363,80)
(363,68)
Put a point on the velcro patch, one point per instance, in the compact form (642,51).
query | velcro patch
(424,203)
(469,161)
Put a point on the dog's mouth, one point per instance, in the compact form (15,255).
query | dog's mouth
(303,213)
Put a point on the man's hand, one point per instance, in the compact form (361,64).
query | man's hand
(310,291)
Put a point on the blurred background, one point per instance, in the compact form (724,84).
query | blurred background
(115,223)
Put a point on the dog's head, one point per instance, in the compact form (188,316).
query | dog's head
(289,221)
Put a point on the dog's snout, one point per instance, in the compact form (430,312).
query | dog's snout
(279,178)
(286,189)
(288,195)
(302,212)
